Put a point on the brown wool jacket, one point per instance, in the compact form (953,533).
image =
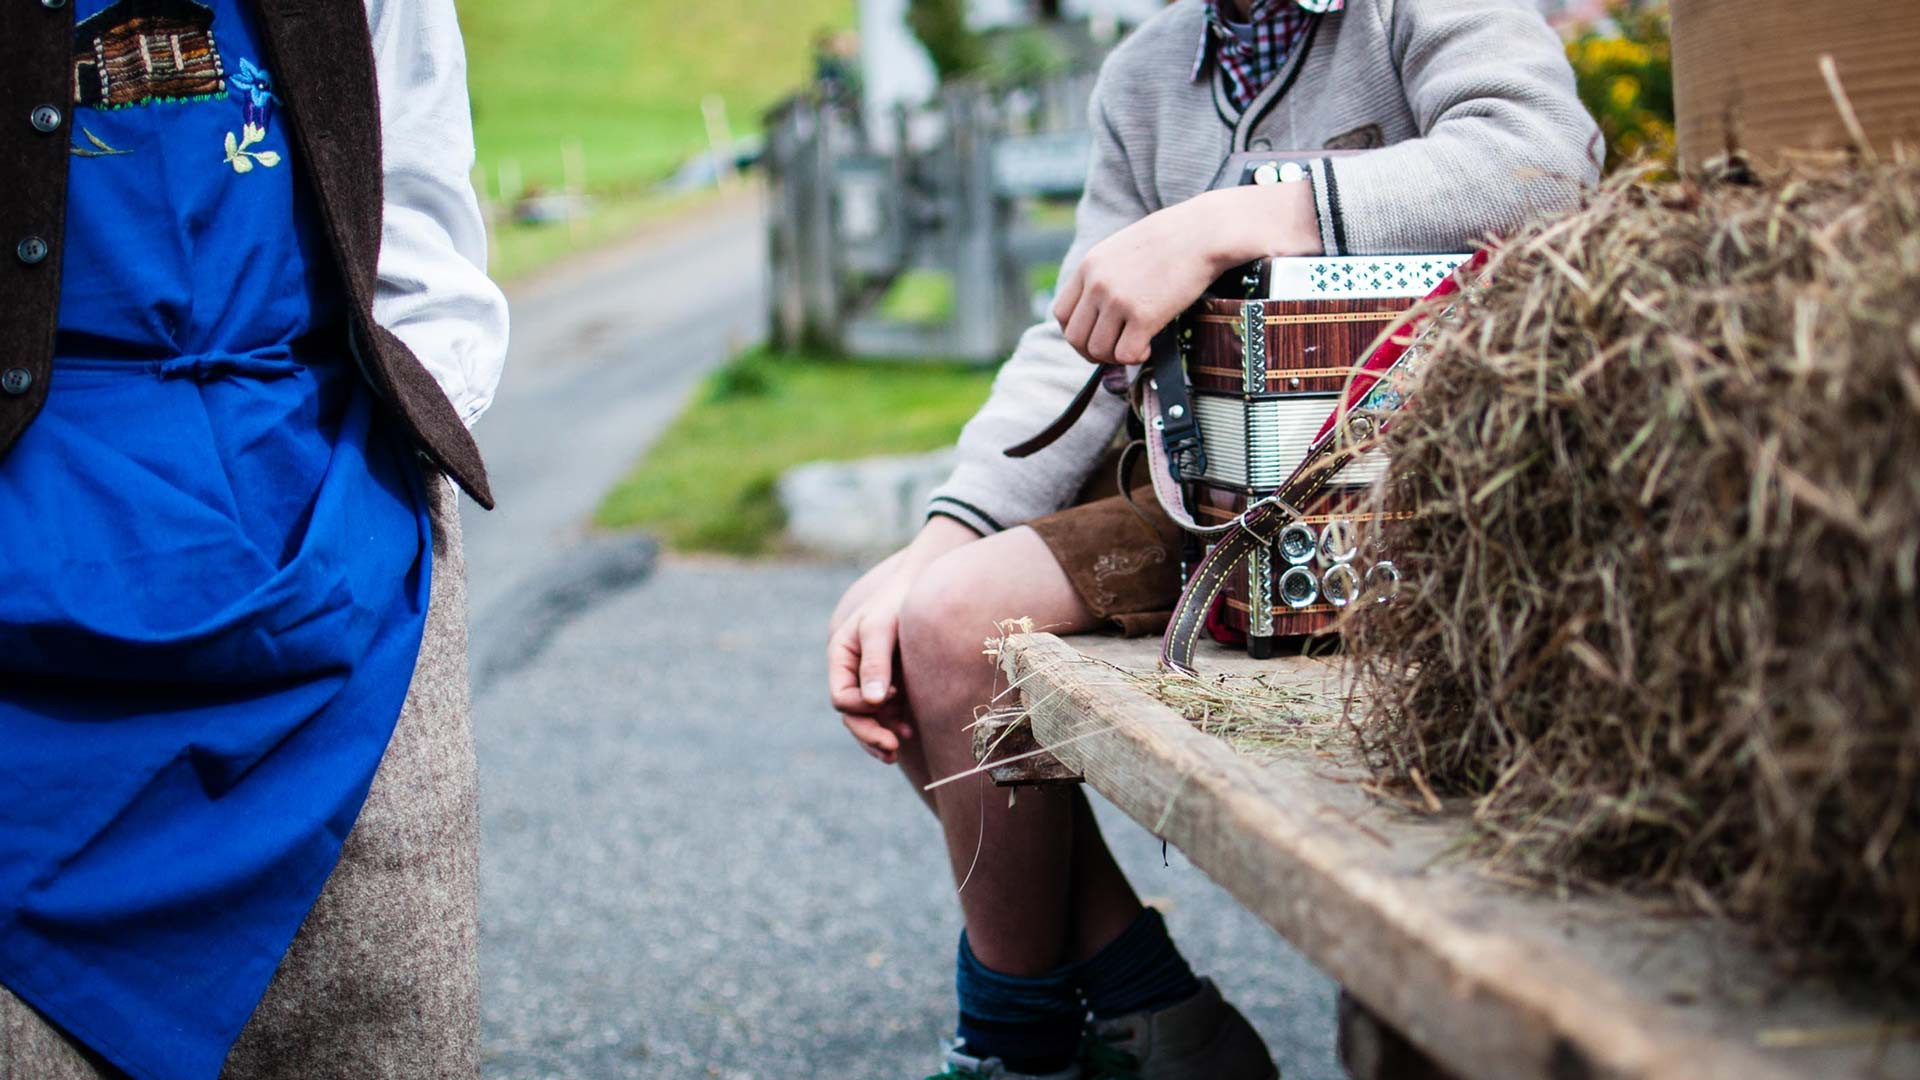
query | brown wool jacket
(321,54)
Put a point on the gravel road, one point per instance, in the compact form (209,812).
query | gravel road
(689,870)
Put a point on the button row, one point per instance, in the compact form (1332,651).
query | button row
(46,119)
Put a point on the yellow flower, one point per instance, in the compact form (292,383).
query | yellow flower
(1623,91)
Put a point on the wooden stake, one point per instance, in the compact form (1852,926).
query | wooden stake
(573,167)
(719,139)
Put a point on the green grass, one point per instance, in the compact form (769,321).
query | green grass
(921,297)
(625,78)
(709,483)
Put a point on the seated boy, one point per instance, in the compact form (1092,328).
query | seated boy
(1471,124)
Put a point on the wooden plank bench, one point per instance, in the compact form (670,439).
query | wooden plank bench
(1483,978)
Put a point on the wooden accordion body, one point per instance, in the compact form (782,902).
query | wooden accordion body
(1265,375)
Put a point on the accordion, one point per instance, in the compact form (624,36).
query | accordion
(1265,376)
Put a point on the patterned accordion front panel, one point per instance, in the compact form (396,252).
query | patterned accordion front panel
(1265,376)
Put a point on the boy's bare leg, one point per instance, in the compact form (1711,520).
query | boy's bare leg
(1041,888)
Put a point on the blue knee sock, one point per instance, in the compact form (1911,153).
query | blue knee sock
(1139,971)
(1031,1024)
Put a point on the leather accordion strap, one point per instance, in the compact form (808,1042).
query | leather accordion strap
(1238,539)
(1070,415)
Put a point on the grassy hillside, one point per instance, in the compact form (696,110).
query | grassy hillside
(626,77)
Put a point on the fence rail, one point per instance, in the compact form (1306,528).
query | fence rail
(972,186)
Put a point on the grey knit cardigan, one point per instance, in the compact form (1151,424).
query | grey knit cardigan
(1472,106)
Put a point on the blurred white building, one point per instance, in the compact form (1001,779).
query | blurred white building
(895,69)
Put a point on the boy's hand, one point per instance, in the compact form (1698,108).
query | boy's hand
(862,671)
(1135,282)
(861,660)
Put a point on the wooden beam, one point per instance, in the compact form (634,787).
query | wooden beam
(1028,764)
(1372,1049)
(1491,981)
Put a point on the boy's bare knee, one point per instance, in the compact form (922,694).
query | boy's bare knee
(942,609)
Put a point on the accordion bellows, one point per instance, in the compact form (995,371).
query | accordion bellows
(1266,374)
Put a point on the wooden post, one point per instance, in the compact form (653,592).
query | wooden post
(819,255)
(1371,1049)
(977,232)
(510,189)
(713,109)
(785,234)
(573,170)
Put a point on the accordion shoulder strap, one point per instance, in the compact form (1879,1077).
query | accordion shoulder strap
(1104,373)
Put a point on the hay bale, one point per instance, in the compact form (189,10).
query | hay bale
(1662,602)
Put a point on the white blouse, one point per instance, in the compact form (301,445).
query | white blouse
(434,292)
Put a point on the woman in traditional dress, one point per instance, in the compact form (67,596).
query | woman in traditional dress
(241,345)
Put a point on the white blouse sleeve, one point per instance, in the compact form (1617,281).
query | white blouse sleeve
(434,293)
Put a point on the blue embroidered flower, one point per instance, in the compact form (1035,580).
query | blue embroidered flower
(254,87)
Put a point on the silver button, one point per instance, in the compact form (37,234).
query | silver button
(53,3)
(16,381)
(45,119)
(32,250)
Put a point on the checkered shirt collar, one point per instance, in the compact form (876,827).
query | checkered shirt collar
(1278,26)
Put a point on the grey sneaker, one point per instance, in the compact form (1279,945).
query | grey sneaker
(1201,1038)
(961,1066)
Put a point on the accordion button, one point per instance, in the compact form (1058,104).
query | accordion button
(1267,174)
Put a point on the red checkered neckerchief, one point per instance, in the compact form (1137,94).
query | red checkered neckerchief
(1278,27)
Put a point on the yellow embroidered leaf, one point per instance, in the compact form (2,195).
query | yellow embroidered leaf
(97,141)
(269,158)
(232,147)
(242,164)
(250,134)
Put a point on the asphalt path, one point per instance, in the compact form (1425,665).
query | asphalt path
(688,868)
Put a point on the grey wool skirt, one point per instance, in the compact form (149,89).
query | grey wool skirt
(382,980)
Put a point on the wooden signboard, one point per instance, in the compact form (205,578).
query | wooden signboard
(1747,73)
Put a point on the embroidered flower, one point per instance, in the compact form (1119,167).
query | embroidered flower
(254,87)
(243,159)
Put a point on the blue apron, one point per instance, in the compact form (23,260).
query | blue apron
(215,556)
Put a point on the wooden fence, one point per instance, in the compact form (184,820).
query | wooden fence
(975,187)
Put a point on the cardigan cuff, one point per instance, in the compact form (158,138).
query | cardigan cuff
(965,513)
(1326,204)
